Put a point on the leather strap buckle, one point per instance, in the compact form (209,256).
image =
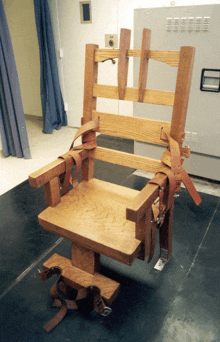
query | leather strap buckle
(44,275)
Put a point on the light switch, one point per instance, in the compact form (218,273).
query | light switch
(111,40)
(61,53)
(210,80)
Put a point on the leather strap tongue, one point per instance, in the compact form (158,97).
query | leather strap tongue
(190,187)
(91,126)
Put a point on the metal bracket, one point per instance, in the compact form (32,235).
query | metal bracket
(106,311)
(159,266)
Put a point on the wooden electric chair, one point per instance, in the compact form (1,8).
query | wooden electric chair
(103,218)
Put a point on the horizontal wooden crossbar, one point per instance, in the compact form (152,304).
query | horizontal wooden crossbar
(126,159)
(168,57)
(140,129)
(158,97)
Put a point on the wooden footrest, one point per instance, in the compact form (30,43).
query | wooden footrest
(77,278)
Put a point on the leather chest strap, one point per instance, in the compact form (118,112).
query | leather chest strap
(190,187)
(172,158)
(89,142)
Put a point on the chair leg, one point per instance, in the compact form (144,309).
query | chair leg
(165,240)
(166,232)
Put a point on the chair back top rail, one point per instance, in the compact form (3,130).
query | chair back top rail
(168,57)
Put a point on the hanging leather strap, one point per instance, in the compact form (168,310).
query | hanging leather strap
(172,184)
(61,300)
(63,310)
(172,167)
(190,187)
(73,158)
(172,158)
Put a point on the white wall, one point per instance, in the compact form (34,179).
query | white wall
(72,36)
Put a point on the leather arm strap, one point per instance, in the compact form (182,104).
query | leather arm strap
(72,157)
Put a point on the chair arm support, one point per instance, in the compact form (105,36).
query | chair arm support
(50,171)
(143,200)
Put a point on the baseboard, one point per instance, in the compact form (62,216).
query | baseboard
(33,117)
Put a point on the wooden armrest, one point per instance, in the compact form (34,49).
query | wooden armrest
(48,172)
(143,200)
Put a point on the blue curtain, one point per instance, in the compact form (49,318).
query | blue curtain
(12,122)
(54,115)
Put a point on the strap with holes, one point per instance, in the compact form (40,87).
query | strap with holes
(173,160)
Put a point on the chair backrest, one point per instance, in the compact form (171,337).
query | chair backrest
(123,126)
(140,129)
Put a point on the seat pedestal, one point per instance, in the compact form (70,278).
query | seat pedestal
(77,278)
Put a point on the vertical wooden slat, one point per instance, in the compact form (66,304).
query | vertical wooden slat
(143,64)
(52,192)
(85,259)
(123,60)
(89,104)
(183,83)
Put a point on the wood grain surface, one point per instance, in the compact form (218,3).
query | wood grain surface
(159,97)
(94,215)
(140,129)
(127,159)
(168,57)
(143,64)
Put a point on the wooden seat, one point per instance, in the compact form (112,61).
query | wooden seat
(103,218)
(94,214)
